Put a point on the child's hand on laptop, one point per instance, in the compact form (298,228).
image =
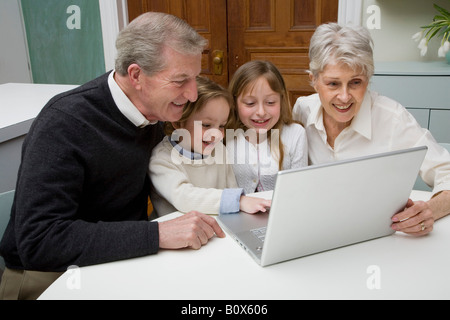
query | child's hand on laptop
(253,205)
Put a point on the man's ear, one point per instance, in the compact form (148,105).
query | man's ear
(134,74)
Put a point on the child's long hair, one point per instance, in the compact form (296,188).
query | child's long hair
(207,90)
(243,82)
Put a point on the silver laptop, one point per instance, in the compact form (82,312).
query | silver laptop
(323,207)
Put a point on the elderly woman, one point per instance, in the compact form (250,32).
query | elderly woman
(345,120)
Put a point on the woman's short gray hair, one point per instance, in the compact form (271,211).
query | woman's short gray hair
(332,43)
(143,40)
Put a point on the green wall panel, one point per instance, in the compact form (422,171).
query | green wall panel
(64,40)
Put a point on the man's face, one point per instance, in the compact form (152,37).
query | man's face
(162,96)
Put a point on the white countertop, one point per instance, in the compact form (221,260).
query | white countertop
(20,103)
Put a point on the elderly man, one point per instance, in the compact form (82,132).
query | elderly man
(81,195)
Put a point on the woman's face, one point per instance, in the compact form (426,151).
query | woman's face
(341,90)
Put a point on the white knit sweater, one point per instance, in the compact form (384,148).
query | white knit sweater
(186,185)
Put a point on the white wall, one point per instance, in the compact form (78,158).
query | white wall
(114,17)
(13,52)
(399,20)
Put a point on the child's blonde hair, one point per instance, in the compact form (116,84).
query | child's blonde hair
(243,82)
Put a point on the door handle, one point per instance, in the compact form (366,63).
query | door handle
(217,62)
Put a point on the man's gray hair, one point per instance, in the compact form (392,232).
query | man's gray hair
(144,39)
(351,45)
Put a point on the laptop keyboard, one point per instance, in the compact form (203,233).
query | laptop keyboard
(260,233)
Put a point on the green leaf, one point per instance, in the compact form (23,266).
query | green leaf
(442,11)
(440,24)
(433,34)
(438,17)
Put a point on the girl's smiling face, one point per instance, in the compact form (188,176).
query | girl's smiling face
(341,91)
(259,107)
(206,127)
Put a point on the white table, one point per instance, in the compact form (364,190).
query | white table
(393,267)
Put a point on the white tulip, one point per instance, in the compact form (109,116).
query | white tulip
(441,52)
(423,47)
(443,49)
(446,46)
(417,36)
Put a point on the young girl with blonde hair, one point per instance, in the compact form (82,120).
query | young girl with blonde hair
(267,139)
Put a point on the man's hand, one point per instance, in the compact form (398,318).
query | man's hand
(191,230)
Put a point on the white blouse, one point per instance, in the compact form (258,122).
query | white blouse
(381,125)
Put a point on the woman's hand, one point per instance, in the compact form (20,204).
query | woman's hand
(416,219)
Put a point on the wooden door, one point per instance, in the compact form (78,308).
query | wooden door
(208,17)
(245,30)
(278,31)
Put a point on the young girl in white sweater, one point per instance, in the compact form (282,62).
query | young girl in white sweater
(267,139)
(189,167)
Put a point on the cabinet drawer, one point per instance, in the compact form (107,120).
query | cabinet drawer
(415,91)
(422,116)
(440,125)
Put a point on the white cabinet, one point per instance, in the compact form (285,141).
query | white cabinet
(440,125)
(422,87)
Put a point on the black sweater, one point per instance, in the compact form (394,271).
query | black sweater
(81,194)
